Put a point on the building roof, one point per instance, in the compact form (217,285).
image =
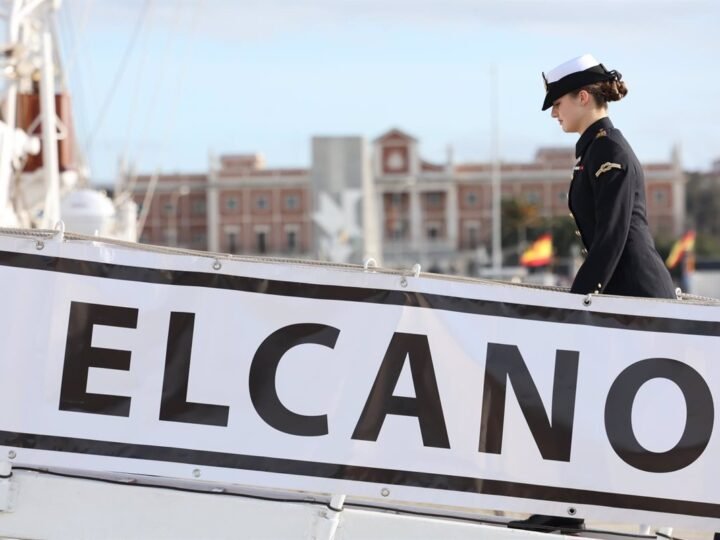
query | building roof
(426,166)
(242,161)
(175,178)
(249,173)
(395,134)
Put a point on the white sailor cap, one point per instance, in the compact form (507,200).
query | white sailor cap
(574,74)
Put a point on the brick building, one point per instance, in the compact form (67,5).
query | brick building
(239,206)
(177,214)
(427,212)
(256,210)
(443,212)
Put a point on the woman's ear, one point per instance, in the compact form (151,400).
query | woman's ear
(584,96)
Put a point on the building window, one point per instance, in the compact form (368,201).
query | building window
(291,241)
(471,198)
(232,242)
(395,159)
(169,237)
(231,203)
(397,229)
(261,203)
(532,197)
(562,196)
(198,208)
(168,208)
(432,231)
(261,241)
(659,196)
(199,240)
(291,202)
(396,199)
(472,237)
(434,199)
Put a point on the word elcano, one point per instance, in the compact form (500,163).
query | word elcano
(504,363)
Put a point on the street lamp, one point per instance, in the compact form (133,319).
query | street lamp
(172,221)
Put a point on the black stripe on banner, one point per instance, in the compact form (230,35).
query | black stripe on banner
(357,473)
(359,294)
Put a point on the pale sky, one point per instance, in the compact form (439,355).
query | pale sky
(238,76)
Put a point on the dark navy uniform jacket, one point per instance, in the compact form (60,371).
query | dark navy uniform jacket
(607,200)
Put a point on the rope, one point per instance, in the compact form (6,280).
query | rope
(70,236)
(118,75)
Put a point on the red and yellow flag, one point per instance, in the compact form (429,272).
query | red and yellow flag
(682,246)
(539,253)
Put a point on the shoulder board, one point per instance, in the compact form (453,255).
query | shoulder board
(605,167)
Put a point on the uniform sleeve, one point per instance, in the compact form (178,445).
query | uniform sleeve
(613,192)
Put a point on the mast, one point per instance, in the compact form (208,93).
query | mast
(495,173)
(10,114)
(32,66)
(51,168)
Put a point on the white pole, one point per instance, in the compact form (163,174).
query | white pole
(147,201)
(173,221)
(51,168)
(495,174)
(7,146)
(372,241)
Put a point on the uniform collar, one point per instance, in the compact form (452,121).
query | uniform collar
(590,133)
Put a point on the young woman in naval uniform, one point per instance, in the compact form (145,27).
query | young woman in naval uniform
(607,201)
(607,192)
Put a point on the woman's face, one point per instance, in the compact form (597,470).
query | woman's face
(570,111)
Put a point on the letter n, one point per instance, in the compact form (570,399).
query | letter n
(505,363)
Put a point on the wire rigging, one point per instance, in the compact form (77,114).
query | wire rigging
(118,75)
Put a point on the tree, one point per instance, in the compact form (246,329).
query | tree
(517,216)
(703,209)
(521,224)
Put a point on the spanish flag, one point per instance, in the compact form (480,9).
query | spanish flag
(681,247)
(539,253)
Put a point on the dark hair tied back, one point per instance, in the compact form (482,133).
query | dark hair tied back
(605,91)
(613,90)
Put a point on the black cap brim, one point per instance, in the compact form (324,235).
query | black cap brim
(575,81)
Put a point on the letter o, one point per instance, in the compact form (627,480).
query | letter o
(698,422)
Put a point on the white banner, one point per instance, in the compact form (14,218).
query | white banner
(342,381)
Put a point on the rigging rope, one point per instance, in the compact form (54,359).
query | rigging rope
(118,76)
